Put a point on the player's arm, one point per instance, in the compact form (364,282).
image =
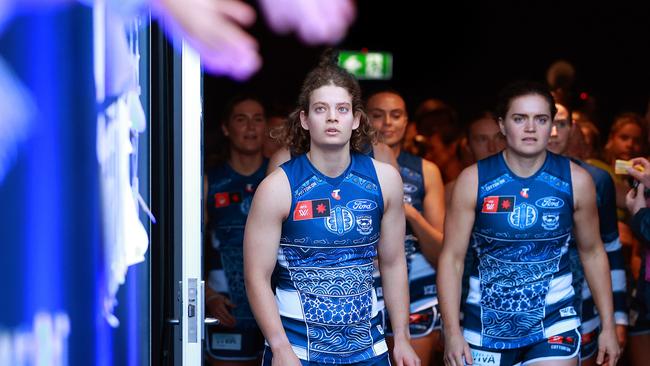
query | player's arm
(392,261)
(270,207)
(428,225)
(458,228)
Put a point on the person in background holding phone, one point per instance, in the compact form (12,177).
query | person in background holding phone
(637,203)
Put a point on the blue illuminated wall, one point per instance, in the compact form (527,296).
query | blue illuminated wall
(50,250)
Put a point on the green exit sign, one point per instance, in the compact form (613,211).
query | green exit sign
(367,65)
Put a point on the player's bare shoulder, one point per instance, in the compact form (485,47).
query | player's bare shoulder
(278,158)
(274,192)
(466,186)
(386,173)
(584,189)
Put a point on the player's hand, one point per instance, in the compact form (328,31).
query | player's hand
(214,29)
(608,350)
(315,21)
(219,306)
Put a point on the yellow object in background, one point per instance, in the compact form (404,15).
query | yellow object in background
(621,166)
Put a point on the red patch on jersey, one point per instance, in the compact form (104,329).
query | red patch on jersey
(490,204)
(303,211)
(312,209)
(498,204)
(505,204)
(221,199)
(235,197)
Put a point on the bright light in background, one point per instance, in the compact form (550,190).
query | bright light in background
(44,343)
(367,65)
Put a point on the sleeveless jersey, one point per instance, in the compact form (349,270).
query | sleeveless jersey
(606,202)
(521,284)
(421,275)
(325,295)
(229,198)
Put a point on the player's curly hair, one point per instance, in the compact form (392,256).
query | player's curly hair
(328,73)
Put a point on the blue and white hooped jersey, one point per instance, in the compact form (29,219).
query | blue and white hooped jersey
(520,287)
(606,201)
(228,200)
(325,291)
(421,275)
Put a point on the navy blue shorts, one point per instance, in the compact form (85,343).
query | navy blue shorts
(589,344)
(563,346)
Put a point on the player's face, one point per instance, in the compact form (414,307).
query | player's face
(387,113)
(246,127)
(330,119)
(485,138)
(560,131)
(626,142)
(527,125)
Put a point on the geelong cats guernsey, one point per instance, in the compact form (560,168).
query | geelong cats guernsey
(229,198)
(520,287)
(325,291)
(422,276)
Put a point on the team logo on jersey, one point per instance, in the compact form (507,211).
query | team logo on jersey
(225,199)
(246,205)
(221,199)
(498,204)
(549,202)
(550,221)
(523,216)
(335,194)
(340,220)
(250,188)
(524,192)
(312,209)
(409,188)
(361,205)
(364,224)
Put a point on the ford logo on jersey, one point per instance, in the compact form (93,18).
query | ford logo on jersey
(549,202)
(362,205)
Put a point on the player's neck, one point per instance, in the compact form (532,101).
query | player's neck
(330,162)
(243,163)
(523,166)
(397,149)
